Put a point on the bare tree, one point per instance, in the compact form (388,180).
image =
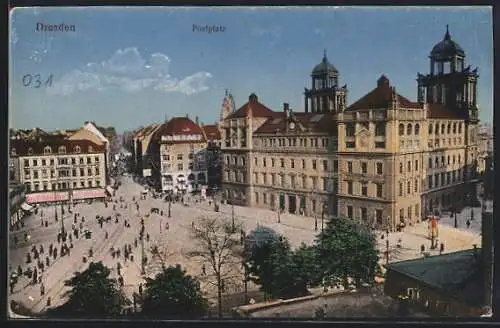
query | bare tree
(219,246)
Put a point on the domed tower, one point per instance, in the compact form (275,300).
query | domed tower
(450,83)
(325,94)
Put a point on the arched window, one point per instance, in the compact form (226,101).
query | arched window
(30,151)
(455,127)
(47,150)
(401,129)
(61,150)
(436,130)
(77,149)
(459,127)
(417,129)
(430,128)
(408,129)
(449,128)
(442,128)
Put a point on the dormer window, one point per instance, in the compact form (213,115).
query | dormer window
(30,151)
(77,149)
(61,150)
(47,150)
(13,151)
(91,149)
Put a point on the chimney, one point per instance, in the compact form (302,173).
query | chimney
(196,120)
(286,109)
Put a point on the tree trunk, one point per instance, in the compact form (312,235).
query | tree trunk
(219,295)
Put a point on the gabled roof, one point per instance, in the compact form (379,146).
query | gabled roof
(258,109)
(381,97)
(304,122)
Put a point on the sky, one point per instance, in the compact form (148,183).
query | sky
(131,67)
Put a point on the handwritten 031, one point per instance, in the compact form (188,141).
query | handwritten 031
(37,81)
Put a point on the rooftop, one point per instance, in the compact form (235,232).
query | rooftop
(454,273)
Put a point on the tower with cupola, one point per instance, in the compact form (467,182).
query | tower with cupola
(325,94)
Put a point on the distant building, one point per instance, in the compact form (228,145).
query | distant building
(17,203)
(53,168)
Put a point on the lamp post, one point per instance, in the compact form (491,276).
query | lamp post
(143,255)
(169,206)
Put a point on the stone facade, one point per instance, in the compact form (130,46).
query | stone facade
(384,160)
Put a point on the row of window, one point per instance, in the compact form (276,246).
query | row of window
(377,144)
(45,186)
(440,164)
(446,178)
(44,173)
(364,216)
(293,142)
(380,127)
(408,167)
(180,157)
(439,143)
(285,163)
(292,181)
(408,188)
(378,167)
(407,214)
(410,129)
(379,189)
(180,167)
(47,150)
(456,126)
(60,161)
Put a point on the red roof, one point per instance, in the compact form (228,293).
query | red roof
(381,97)
(22,146)
(46,197)
(309,122)
(211,132)
(179,126)
(88,193)
(258,109)
(440,111)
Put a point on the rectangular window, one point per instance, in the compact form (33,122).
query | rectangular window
(416,165)
(44,162)
(303,163)
(349,167)
(417,211)
(400,189)
(314,164)
(350,129)
(35,162)
(364,167)
(379,190)
(26,162)
(282,162)
(292,163)
(325,165)
(380,144)
(380,168)
(409,166)
(264,162)
(335,166)
(96,159)
(430,163)
(378,214)
(408,187)
(349,188)
(364,189)
(179,157)
(180,167)
(364,214)
(350,144)
(349,212)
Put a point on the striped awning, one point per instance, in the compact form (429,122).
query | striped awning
(47,197)
(89,193)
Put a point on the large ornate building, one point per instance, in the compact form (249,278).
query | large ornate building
(383,160)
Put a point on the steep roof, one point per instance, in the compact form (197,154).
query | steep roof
(324,67)
(22,146)
(381,97)
(447,48)
(211,132)
(258,109)
(309,122)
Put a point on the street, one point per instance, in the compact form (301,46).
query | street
(172,238)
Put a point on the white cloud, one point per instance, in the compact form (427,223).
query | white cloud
(128,71)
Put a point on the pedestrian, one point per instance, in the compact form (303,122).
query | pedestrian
(83,219)
(28,258)
(106,235)
(167,226)
(12,284)
(35,276)
(19,270)
(203,270)
(41,249)
(147,237)
(49,303)
(468,223)
(47,261)
(135,243)
(140,289)
(55,253)
(46,224)
(120,280)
